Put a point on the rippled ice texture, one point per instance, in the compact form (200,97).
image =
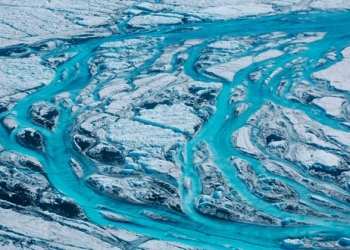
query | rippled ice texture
(174,124)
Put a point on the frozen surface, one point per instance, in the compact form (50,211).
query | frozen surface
(149,21)
(338,75)
(334,5)
(67,19)
(23,74)
(174,124)
(241,140)
(332,105)
(179,117)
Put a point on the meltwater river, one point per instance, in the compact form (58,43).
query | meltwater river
(193,228)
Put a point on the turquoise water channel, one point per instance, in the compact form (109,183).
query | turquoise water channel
(193,228)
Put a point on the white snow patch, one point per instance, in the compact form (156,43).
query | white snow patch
(21,74)
(160,166)
(338,74)
(156,245)
(60,235)
(309,37)
(270,54)
(228,70)
(310,157)
(230,11)
(227,44)
(334,4)
(113,87)
(332,105)
(149,21)
(178,116)
(150,6)
(241,140)
(137,136)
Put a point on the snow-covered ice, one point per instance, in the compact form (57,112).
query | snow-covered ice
(23,74)
(169,113)
(338,74)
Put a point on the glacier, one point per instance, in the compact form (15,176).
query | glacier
(174,124)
